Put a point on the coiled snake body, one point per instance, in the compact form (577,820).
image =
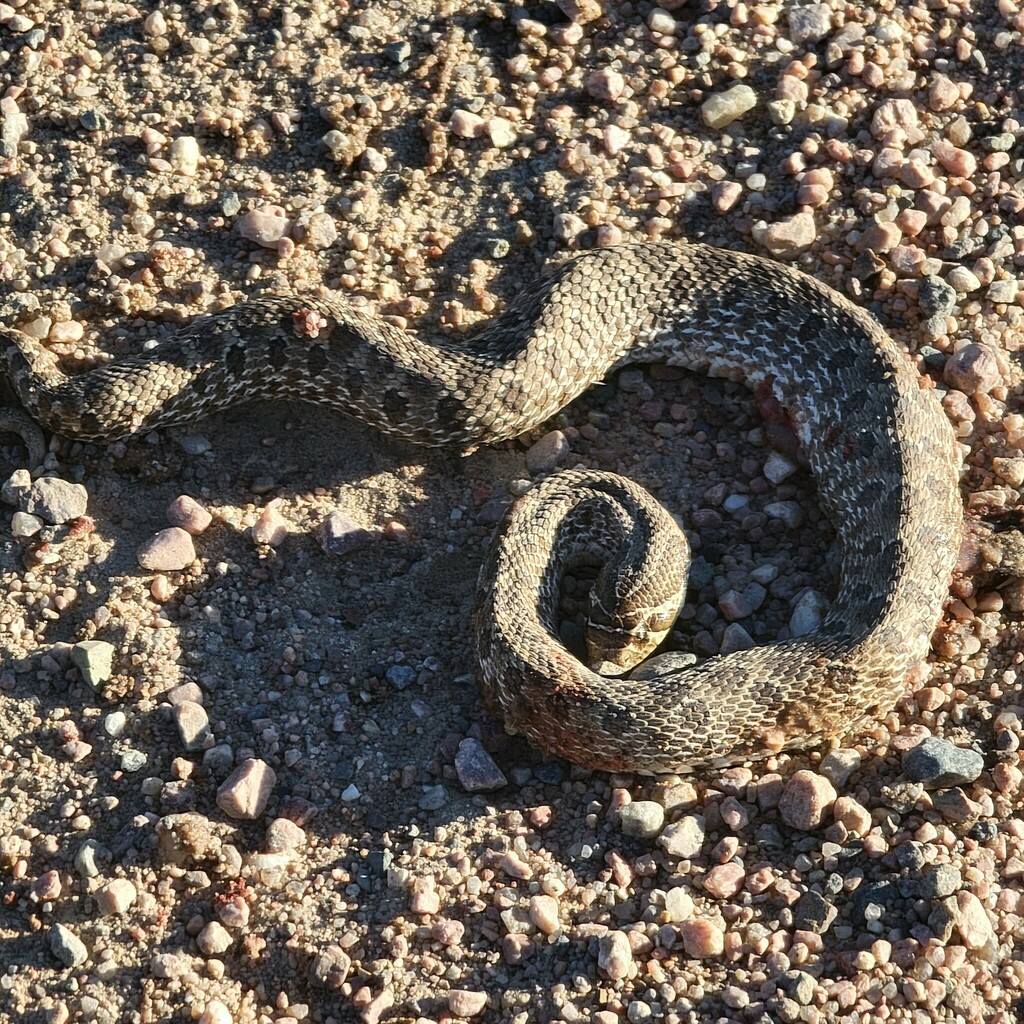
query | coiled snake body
(876,439)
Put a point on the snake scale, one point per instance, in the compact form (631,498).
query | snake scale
(876,439)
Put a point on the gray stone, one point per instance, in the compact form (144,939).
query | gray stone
(809,24)
(330,968)
(55,500)
(941,881)
(939,764)
(812,912)
(67,947)
(94,659)
(476,769)
(193,725)
(339,534)
(90,857)
(935,296)
(642,819)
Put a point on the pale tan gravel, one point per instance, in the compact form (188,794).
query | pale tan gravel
(157,161)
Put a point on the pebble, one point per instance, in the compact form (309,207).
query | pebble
(808,613)
(330,968)
(642,819)
(605,84)
(447,931)
(725,195)
(167,551)
(270,527)
(320,232)
(972,369)
(54,500)
(809,24)
(789,236)
(678,903)
(935,296)
(184,155)
(282,835)
(838,765)
(24,524)
(170,965)
(46,887)
(805,800)
(544,913)
(957,161)
(813,913)
(339,534)
(740,604)
(115,896)
(466,124)
(724,880)
(16,487)
(683,839)
(547,453)
(940,764)
(267,226)
(464,1003)
(89,857)
(193,725)
(476,769)
(963,280)
(67,947)
(972,921)
(188,514)
(723,108)
(244,794)
(853,815)
(215,1012)
(614,955)
(940,881)
(702,938)
(95,660)
(777,467)
(214,939)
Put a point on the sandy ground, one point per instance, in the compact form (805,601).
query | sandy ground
(431,159)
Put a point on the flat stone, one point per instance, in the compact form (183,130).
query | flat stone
(330,968)
(813,913)
(547,453)
(464,1003)
(789,236)
(476,768)
(115,896)
(245,792)
(167,551)
(265,226)
(55,500)
(339,534)
(940,764)
(809,24)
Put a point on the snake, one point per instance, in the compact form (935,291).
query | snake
(873,433)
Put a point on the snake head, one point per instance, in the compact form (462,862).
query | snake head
(620,639)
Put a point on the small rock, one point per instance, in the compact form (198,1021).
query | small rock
(466,124)
(16,487)
(373,160)
(544,913)
(852,814)
(115,897)
(724,880)
(464,1003)
(447,932)
(972,921)
(813,913)
(476,768)
(605,84)
(214,939)
(972,369)
(739,604)
(642,819)
(723,108)
(963,280)
(266,226)
(89,857)
(940,881)
(270,527)
(184,155)
(939,764)
(215,1012)
(170,965)
(935,296)
(188,514)
(725,195)
(547,453)
(789,236)
(95,660)
(805,800)
(838,765)
(193,725)
(282,835)
(24,524)
(339,534)
(167,551)
(777,467)
(245,792)
(321,232)
(808,613)
(702,938)
(678,903)
(67,947)
(46,887)
(684,838)
(614,955)
(809,24)
(54,500)
(330,968)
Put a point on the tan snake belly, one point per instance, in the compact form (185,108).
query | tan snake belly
(880,448)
